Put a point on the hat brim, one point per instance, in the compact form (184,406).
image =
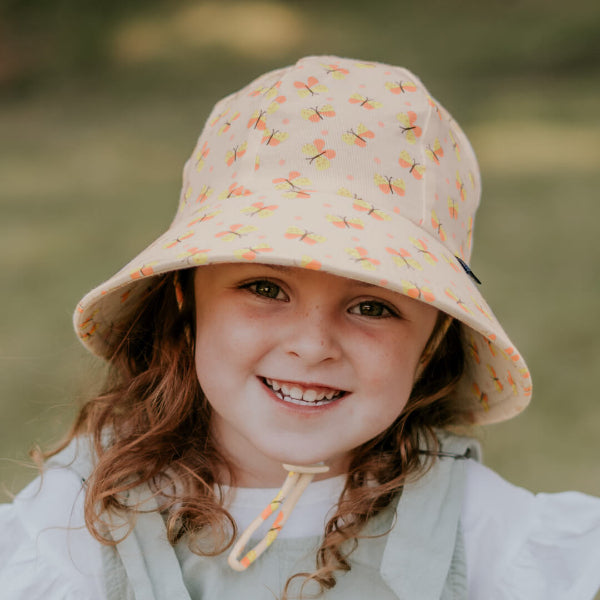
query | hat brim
(402,257)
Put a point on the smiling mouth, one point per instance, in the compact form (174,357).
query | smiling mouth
(302,396)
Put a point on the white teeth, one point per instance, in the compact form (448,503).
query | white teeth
(310,396)
(296,395)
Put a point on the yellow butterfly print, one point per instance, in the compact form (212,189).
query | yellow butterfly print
(234,190)
(235,232)
(303,235)
(455,145)
(389,185)
(408,162)
(252,252)
(409,127)
(345,222)
(370,209)
(274,138)
(358,137)
(436,152)
(228,123)
(482,397)
(400,87)
(450,293)
(439,228)
(260,209)
(365,102)
(360,255)
(497,383)
(178,240)
(403,258)
(460,186)
(204,216)
(235,153)
(293,185)
(318,113)
(318,155)
(422,249)
(336,71)
(144,271)
(201,156)
(423,292)
(310,87)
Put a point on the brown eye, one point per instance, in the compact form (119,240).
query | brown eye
(265,288)
(371,308)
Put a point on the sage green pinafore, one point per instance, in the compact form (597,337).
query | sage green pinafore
(421,558)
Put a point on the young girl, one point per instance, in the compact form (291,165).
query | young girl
(308,316)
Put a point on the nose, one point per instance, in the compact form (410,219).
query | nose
(313,337)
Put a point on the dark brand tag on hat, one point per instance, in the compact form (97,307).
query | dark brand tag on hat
(468,271)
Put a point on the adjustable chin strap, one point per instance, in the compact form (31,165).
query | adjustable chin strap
(295,483)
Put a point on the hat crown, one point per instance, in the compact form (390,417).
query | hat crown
(340,128)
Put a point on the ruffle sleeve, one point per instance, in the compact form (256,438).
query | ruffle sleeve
(45,549)
(522,546)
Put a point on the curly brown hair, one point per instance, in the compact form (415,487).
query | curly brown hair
(150,425)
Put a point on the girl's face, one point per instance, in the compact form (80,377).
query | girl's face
(301,366)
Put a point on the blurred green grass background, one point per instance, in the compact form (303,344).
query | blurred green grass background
(101,103)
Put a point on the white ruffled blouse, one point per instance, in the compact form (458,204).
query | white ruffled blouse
(519,546)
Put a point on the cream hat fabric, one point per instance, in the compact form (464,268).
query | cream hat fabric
(345,166)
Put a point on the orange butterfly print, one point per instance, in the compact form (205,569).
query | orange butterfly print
(195,256)
(234,190)
(460,186)
(179,239)
(452,262)
(455,146)
(474,349)
(258,120)
(389,185)
(311,87)
(144,271)
(303,235)
(204,216)
(511,382)
(370,209)
(318,113)
(409,127)
(361,256)
(228,123)
(400,87)
(450,293)
(274,138)
(236,152)
(307,262)
(435,107)
(403,258)
(452,208)
(260,209)
(268,92)
(358,137)
(294,185)
(253,252)
(336,71)
(201,156)
(495,378)
(490,347)
(481,309)
(365,102)
(204,194)
(422,249)
(469,232)
(412,290)
(439,228)
(482,397)
(318,155)
(408,162)
(345,222)
(436,152)
(235,232)
(216,119)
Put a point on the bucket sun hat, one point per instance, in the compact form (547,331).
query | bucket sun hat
(344,166)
